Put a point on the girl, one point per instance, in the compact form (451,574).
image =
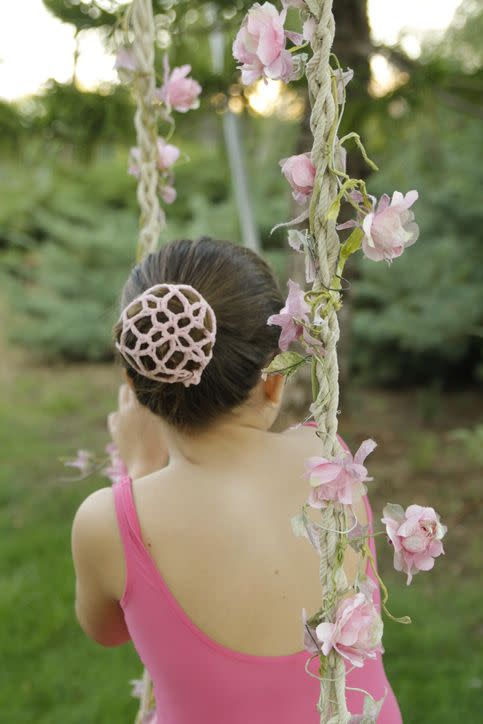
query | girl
(191,556)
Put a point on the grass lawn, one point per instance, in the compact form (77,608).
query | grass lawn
(50,673)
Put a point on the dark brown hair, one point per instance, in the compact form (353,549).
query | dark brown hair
(243,293)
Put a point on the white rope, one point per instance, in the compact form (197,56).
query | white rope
(332,702)
(146,122)
(152,217)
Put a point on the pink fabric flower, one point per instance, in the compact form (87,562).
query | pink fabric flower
(416,535)
(367,587)
(167,156)
(356,632)
(178,91)
(342,77)
(83,462)
(168,194)
(125,62)
(116,470)
(260,45)
(341,479)
(308,29)
(291,316)
(390,227)
(300,173)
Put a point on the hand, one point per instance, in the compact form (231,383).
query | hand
(138,435)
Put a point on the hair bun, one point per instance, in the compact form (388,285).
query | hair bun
(168,333)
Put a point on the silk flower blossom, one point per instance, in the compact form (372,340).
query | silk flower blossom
(356,632)
(178,91)
(291,316)
(260,45)
(341,479)
(390,227)
(166,158)
(416,535)
(126,64)
(300,173)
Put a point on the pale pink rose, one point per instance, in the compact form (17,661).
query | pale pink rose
(367,587)
(416,535)
(125,62)
(116,470)
(341,479)
(308,29)
(342,77)
(178,91)
(390,227)
(356,632)
(292,316)
(168,194)
(167,156)
(300,173)
(134,167)
(84,462)
(259,45)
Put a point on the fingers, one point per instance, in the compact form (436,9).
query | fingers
(112,423)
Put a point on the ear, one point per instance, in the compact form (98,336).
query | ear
(128,379)
(273,388)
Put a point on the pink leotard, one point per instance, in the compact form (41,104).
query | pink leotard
(199,681)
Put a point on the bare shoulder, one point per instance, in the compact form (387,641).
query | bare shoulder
(303,435)
(95,526)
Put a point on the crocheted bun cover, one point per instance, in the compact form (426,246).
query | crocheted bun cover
(168,333)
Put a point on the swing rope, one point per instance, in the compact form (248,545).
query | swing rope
(152,217)
(146,123)
(332,704)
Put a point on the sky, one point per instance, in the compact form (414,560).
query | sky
(34,46)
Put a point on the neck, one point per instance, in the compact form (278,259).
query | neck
(224,440)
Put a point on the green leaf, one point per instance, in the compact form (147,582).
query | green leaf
(285,363)
(352,243)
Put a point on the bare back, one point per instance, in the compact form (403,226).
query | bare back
(220,535)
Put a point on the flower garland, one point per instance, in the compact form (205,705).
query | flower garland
(347,628)
(151,162)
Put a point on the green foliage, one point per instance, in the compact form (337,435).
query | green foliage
(83,121)
(69,120)
(470,442)
(85,15)
(422,317)
(66,252)
(285,363)
(68,231)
